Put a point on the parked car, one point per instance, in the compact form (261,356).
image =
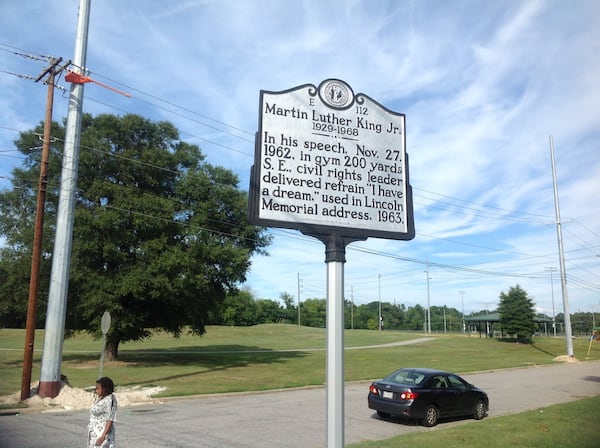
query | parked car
(427,395)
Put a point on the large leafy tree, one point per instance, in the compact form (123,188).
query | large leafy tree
(238,309)
(160,235)
(313,312)
(517,313)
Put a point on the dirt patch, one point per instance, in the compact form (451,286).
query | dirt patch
(565,358)
(71,398)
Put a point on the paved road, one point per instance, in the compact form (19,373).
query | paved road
(291,418)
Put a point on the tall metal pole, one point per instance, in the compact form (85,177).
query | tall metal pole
(335,257)
(34,279)
(59,277)
(563,273)
(428,310)
(444,318)
(352,307)
(379,306)
(298,298)
(462,298)
(551,270)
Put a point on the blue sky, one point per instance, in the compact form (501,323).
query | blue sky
(483,86)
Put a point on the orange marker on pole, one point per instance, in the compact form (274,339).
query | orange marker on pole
(80,79)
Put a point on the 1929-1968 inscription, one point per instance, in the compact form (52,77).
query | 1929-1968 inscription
(320,164)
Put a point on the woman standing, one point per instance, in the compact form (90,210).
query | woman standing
(103,414)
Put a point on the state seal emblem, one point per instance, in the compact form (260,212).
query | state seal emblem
(336,93)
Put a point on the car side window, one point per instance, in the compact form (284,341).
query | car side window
(438,382)
(456,382)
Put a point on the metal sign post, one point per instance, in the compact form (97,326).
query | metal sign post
(333,165)
(105,324)
(335,257)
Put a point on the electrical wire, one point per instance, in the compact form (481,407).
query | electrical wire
(465,207)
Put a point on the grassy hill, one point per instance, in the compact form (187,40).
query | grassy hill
(232,359)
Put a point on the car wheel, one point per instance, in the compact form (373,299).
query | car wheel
(479,410)
(432,415)
(383,414)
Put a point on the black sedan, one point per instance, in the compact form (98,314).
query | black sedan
(427,395)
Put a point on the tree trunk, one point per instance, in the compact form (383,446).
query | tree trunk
(111,350)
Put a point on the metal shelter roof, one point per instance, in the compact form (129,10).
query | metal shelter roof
(495,317)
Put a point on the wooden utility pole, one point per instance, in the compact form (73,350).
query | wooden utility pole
(34,281)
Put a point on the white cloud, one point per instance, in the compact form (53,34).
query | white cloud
(483,86)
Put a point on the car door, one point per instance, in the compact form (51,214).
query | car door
(462,401)
(443,395)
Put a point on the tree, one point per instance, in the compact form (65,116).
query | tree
(517,313)
(415,318)
(269,311)
(366,313)
(17,216)
(160,236)
(313,313)
(239,309)
(393,315)
(291,310)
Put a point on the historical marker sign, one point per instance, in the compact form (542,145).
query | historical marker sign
(327,160)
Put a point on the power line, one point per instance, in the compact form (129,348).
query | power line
(514,215)
(136,161)
(544,217)
(484,211)
(479,210)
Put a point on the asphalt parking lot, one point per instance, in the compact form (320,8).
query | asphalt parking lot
(290,418)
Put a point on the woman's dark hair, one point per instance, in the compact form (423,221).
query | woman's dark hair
(108,387)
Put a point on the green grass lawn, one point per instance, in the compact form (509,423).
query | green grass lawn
(231,359)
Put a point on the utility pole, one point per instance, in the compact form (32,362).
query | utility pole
(551,270)
(59,278)
(298,298)
(561,255)
(352,307)
(444,319)
(462,298)
(428,311)
(34,281)
(380,317)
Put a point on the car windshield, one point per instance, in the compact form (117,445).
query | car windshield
(406,377)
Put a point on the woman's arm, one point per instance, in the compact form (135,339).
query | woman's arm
(102,437)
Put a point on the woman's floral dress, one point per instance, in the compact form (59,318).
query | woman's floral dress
(102,411)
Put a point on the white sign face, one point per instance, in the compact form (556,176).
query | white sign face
(326,158)
(105,322)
